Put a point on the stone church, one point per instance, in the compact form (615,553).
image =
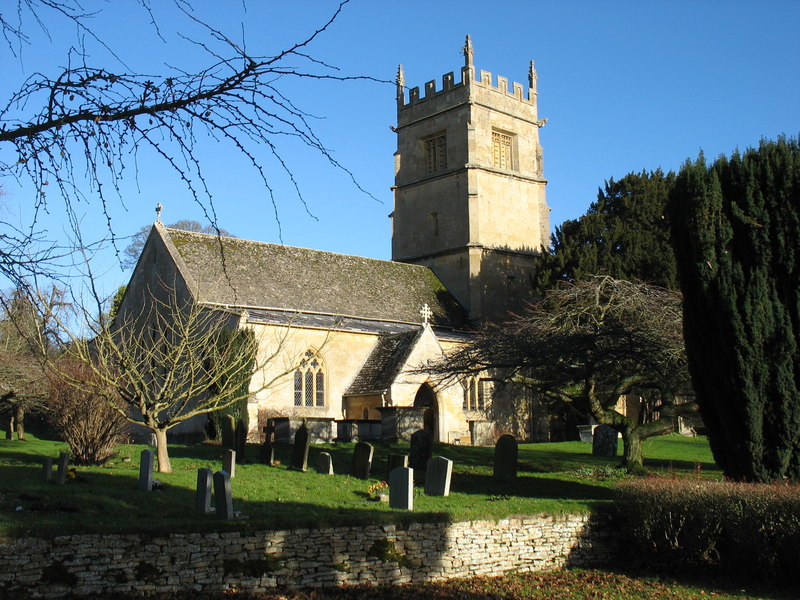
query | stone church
(353,334)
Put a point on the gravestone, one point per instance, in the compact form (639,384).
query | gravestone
(47,468)
(437,478)
(63,465)
(146,470)
(421,449)
(299,460)
(325,463)
(266,453)
(395,460)
(362,460)
(202,498)
(506,453)
(229,462)
(228,425)
(223,502)
(240,441)
(401,488)
(604,442)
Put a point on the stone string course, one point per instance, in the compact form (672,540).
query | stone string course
(259,561)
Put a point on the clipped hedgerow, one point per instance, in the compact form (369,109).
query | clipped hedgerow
(750,530)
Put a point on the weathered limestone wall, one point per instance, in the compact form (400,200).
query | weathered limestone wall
(257,561)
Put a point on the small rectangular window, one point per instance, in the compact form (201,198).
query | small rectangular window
(436,153)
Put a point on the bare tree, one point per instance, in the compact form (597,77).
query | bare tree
(170,362)
(78,131)
(587,344)
(85,420)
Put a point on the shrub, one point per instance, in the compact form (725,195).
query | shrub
(751,530)
(84,420)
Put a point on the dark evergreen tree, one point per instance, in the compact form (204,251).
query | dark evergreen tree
(624,234)
(736,227)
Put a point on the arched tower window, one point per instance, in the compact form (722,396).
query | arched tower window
(309,381)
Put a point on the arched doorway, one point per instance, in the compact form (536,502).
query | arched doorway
(426,398)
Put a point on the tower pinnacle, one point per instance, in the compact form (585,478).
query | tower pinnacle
(532,77)
(401,81)
(468,52)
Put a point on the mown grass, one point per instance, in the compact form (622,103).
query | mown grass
(553,478)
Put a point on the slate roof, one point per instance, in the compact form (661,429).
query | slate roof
(242,273)
(384,363)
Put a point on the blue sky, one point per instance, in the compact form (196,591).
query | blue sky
(625,86)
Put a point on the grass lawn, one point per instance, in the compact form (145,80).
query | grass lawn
(553,478)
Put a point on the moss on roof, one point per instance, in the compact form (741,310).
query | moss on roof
(246,273)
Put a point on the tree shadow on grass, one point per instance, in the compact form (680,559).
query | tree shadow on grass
(539,486)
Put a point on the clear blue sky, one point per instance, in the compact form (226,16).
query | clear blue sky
(625,86)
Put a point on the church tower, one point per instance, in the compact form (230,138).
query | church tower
(469,194)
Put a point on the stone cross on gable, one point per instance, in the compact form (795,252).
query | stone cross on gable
(159,208)
(426,313)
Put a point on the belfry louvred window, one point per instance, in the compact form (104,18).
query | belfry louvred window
(309,381)
(436,153)
(502,150)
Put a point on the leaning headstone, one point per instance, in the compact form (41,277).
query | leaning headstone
(437,478)
(421,449)
(395,460)
(299,460)
(362,460)
(63,465)
(604,442)
(47,468)
(229,462)
(146,470)
(324,463)
(506,452)
(228,425)
(203,494)
(240,441)
(222,495)
(401,488)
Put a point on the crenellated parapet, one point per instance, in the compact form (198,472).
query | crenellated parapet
(468,81)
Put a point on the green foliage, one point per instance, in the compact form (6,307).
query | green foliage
(385,551)
(741,529)
(239,340)
(624,234)
(737,239)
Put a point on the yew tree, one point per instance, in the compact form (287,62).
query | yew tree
(736,226)
(624,234)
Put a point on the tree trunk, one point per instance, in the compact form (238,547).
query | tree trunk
(632,449)
(19,422)
(162,452)
(10,428)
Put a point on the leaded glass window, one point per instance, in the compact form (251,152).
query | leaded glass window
(309,381)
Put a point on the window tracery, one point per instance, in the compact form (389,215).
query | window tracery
(309,381)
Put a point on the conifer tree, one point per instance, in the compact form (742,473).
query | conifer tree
(736,228)
(624,234)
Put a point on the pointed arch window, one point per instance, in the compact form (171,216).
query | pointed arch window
(309,381)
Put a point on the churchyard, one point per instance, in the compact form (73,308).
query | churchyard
(551,478)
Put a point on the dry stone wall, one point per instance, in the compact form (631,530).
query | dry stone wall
(258,561)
